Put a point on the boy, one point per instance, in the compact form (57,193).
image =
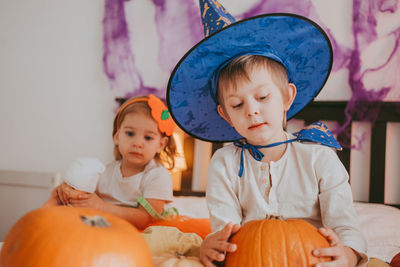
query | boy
(241,84)
(295,180)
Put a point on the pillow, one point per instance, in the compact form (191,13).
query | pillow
(190,206)
(380,225)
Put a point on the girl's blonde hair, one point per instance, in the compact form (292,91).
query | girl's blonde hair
(167,155)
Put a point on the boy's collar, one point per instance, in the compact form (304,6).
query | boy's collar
(317,132)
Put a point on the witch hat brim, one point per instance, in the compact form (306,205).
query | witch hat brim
(293,40)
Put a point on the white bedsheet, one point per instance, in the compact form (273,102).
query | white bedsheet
(381,226)
(191,206)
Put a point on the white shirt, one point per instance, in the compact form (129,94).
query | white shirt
(154,182)
(309,182)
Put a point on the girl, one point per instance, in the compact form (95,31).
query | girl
(143,149)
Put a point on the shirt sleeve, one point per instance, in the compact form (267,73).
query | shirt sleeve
(336,202)
(158,184)
(222,201)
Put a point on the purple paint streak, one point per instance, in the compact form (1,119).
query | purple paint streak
(118,60)
(304,8)
(362,104)
(179,28)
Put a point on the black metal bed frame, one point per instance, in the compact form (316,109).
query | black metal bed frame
(382,113)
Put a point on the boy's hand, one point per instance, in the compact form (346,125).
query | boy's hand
(342,256)
(215,245)
(88,200)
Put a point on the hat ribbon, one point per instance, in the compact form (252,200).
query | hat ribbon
(317,133)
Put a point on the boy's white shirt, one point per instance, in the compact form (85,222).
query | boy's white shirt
(308,182)
(154,182)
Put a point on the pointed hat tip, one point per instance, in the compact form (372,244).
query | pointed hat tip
(214,16)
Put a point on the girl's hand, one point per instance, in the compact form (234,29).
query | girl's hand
(61,193)
(342,256)
(66,192)
(88,200)
(215,245)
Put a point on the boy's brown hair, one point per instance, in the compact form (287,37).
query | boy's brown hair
(239,69)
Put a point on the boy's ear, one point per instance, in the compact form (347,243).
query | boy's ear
(289,96)
(222,114)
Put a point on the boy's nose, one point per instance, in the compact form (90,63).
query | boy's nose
(252,110)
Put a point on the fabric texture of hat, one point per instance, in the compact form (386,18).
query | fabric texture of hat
(296,42)
(84,173)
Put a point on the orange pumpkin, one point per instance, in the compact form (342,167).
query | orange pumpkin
(276,242)
(187,224)
(68,236)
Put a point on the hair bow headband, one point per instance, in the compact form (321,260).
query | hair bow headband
(159,112)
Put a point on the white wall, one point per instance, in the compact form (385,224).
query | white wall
(55,103)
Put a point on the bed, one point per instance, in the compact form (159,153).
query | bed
(376,188)
(371,140)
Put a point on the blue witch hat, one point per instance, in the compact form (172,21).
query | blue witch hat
(296,42)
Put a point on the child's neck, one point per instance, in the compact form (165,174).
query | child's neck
(128,170)
(274,153)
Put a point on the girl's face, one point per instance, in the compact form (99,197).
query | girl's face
(138,140)
(256,108)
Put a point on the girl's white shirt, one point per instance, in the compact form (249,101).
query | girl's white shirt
(154,182)
(308,182)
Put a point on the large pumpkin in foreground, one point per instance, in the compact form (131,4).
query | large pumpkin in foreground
(73,237)
(276,242)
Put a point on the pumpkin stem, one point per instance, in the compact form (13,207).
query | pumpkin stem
(97,221)
(179,255)
(274,217)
